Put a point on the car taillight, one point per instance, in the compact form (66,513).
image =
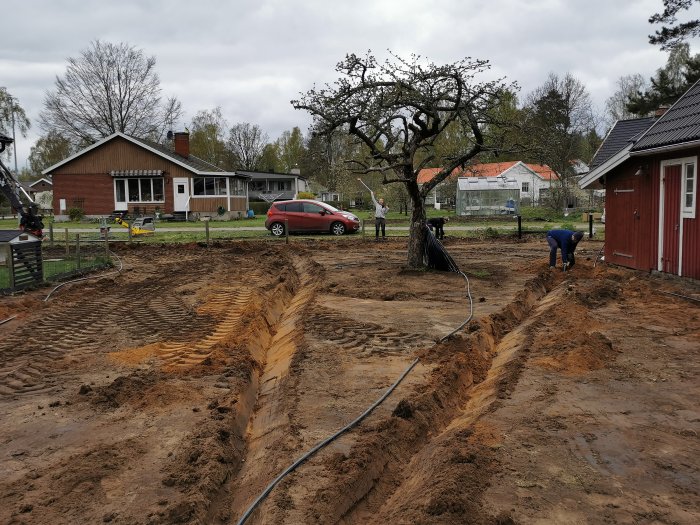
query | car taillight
(269,212)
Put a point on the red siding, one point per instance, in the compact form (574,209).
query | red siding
(91,192)
(632,225)
(691,246)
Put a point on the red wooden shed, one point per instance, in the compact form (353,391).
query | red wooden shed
(649,169)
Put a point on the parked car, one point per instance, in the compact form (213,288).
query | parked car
(309,216)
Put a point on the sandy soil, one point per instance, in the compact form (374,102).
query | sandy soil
(176,391)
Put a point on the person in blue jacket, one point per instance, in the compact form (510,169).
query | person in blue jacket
(566,241)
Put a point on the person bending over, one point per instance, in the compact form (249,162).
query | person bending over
(566,241)
(439,224)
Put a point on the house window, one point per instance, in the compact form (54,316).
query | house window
(139,190)
(209,186)
(526,187)
(690,184)
(237,186)
(257,185)
(284,185)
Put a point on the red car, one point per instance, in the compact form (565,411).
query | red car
(309,216)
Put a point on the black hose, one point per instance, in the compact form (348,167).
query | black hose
(322,444)
(7,320)
(121,266)
(440,257)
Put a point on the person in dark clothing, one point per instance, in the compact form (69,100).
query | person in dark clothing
(439,224)
(566,241)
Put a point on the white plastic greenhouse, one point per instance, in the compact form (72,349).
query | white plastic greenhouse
(487,196)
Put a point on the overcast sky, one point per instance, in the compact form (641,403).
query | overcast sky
(252,57)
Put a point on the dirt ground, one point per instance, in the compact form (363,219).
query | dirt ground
(177,390)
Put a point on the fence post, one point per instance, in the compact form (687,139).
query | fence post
(520,227)
(206,229)
(590,225)
(10,265)
(77,250)
(286,230)
(67,244)
(51,234)
(107,245)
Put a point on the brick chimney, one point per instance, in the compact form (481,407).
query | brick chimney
(182,144)
(660,111)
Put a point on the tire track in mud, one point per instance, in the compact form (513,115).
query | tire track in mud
(42,354)
(369,338)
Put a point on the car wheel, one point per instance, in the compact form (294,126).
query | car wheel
(277,229)
(337,228)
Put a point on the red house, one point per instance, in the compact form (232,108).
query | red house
(127,174)
(649,169)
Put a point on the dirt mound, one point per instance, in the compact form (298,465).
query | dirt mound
(124,389)
(581,354)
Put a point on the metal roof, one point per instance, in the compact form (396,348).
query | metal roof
(621,134)
(487,183)
(193,162)
(258,175)
(680,124)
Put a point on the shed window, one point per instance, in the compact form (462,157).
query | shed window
(526,187)
(690,185)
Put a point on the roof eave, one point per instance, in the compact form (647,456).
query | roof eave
(663,149)
(592,177)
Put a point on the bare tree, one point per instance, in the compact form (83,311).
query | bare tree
(559,122)
(247,143)
(616,106)
(13,119)
(398,109)
(108,88)
(207,138)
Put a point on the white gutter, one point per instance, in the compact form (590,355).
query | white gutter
(661,149)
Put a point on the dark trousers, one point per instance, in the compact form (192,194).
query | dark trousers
(380,222)
(553,247)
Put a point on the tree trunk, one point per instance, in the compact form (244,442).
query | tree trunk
(417,233)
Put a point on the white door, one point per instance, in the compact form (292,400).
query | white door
(181,189)
(120,203)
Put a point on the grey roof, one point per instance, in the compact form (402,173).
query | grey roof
(8,235)
(621,134)
(680,124)
(195,163)
(259,175)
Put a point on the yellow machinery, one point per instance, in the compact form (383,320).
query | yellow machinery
(141,226)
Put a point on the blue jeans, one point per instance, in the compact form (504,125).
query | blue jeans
(553,247)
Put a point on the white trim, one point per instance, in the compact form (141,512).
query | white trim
(662,149)
(47,181)
(613,162)
(686,211)
(682,162)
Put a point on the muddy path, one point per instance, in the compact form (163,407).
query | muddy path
(177,390)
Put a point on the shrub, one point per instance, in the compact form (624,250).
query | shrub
(306,195)
(75,214)
(259,208)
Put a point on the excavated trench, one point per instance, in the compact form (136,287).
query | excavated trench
(461,379)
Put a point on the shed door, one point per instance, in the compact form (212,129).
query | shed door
(670,245)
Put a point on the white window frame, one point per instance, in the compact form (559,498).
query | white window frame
(140,179)
(688,212)
(205,196)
